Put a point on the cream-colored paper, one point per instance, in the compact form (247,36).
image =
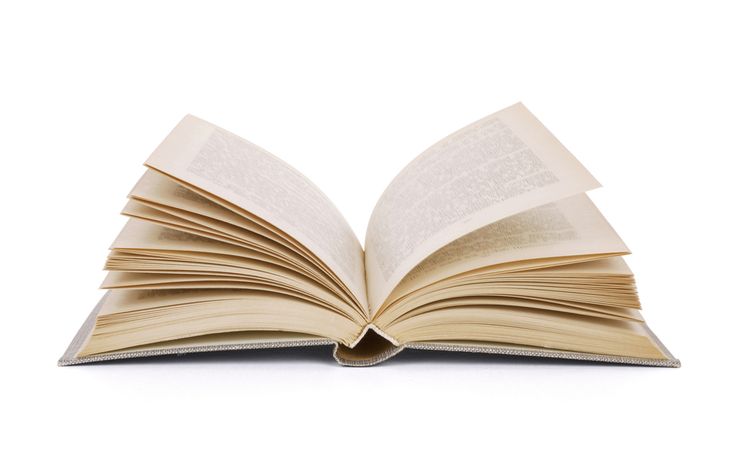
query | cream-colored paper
(238,171)
(566,228)
(501,165)
(142,237)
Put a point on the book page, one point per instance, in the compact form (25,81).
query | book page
(145,247)
(567,228)
(501,165)
(160,191)
(247,176)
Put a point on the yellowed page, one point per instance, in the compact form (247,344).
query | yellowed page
(163,255)
(144,235)
(605,282)
(160,189)
(240,172)
(118,327)
(569,227)
(539,328)
(501,165)
(141,234)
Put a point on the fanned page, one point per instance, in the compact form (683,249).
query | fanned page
(494,168)
(211,159)
(566,231)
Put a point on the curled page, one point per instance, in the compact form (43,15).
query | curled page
(499,166)
(223,164)
(567,228)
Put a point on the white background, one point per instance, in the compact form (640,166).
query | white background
(643,94)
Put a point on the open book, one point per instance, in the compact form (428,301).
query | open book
(486,242)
